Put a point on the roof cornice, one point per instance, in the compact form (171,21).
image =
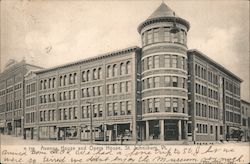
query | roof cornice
(102,56)
(163,19)
(219,66)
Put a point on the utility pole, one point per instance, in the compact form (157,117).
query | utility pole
(91,122)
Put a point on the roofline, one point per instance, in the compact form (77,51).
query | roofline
(163,19)
(17,66)
(215,63)
(109,54)
(247,102)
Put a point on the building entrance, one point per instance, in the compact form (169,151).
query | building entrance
(170,130)
(9,128)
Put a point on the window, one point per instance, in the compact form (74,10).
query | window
(128,67)
(157,104)
(183,105)
(128,86)
(115,70)
(114,88)
(143,39)
(100,110)
(150,82)
(175,104)
(45,84)
(109,89)
(84,112)
(123,87)
(99,73)
(143,107)
(65,113)
(156,81)
(99,90)
(156,34)
(64,80)
(175,81)
(95,74)
(183,63)
(110,109)
(88,111)
(150,63)
(174,61)
(70,79)
(156,61)
(128,108)
(123,109)
(115,109)
(167,61)
(142,66)
(150,36)
(83,76)
(166,34)
(88,92)
(183,81)
(88,75)
(211,129)
(95,113)
(70,113)
(74,78)
(150,105)
(122,69)
(167,81)
(109,71)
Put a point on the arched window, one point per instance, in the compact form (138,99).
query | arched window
(83,76)
(128,67)
(64,80)
(50,83)
(99,73)
(70,79)
(53,82)
(45,84)
(115,70)
(115,88)
(95,74)
(61,81)
(122,69)
(41,84)
(88,75)
(75,78)
(109,71)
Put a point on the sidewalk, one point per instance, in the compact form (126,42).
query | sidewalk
(11,140)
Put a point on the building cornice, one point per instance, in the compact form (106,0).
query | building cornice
(91,59)
(163,19)
(214,63)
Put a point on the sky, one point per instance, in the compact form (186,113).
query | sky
(49,33)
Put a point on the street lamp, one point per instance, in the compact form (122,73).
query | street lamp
(91,121)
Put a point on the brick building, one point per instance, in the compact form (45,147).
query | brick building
(159,92)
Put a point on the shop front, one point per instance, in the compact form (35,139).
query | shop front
(2,125)
(18,127)
(163,130)
(67,133)
(47,132)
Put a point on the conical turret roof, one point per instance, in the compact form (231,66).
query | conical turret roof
(162,11)
(161,14)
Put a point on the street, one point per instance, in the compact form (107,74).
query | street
(11,140)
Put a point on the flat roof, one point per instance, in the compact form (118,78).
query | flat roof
(217,65)
(105,55)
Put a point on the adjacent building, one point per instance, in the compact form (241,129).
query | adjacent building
(12,93)
(214,99)
(245,113)
(160,92)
